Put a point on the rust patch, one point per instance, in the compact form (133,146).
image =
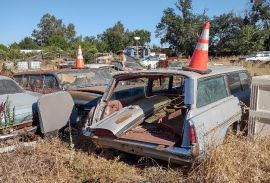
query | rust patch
(122,118)
(161,147)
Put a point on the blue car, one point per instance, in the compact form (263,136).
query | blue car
(17,106)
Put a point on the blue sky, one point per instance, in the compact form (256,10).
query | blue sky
(18,18)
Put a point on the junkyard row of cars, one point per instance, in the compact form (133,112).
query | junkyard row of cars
(169,114)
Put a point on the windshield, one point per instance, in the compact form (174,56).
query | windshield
(9,87)
(84,78)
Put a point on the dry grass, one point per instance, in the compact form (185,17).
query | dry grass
(254,68)
(239,160)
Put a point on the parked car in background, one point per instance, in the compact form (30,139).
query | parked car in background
(84,85)
(173,115)
(162,56)
(17,106)
(259,56)
(150,62)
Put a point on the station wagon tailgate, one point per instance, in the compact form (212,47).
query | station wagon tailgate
(130,116)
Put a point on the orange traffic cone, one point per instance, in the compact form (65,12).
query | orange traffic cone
(199,59)
(79,61)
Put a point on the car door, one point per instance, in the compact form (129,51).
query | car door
(239,86)
(215,111)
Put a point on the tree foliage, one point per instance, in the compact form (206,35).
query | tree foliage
(117,38)
(229,34)
(180,28)
(58,41)
(50,26)
(250,39)
(28,43)
(224,33)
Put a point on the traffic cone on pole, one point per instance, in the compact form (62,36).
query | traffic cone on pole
(199,59)
(79,61)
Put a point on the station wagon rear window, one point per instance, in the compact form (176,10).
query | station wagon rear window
(211,90)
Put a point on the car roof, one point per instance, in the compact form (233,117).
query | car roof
(4,78)
(215,70)
(51,71)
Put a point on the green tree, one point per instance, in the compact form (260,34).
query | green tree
(250,39)
(224,31)
(3,52)
(14,54)
(58,41)
(28,43)
(51,26)
(145,37)
(88,51)
(101,46)
(3,47)
(117,38)
(114,37)
(259,14)
(14,46)
(180,29)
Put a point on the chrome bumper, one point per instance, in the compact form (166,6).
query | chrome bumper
(171,154)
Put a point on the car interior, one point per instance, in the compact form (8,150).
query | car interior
(162,100)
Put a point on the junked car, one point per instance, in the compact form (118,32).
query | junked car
(18,107)
(150,62)
(173,115)
(263,56)
(84,85)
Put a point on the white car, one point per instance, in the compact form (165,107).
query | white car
(162,56)
(173,115)
(150,62)
(259,56)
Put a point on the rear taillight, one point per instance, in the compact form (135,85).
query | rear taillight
(192,135)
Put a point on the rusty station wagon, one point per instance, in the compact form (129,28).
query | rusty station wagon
(173,115)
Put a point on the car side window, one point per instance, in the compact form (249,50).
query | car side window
(160,84)
(234,83)
(50,82)
(36,81)
(211,90)
(245,80)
